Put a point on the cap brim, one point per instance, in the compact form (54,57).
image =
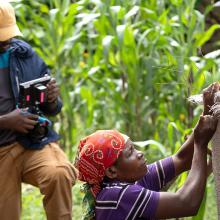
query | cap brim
(7,33)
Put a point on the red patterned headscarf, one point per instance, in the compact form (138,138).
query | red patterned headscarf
(96,153)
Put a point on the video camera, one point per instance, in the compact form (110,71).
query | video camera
(33,94)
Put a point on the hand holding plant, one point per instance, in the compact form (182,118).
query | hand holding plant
(204,130)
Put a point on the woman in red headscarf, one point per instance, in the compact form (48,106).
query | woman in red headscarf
(120,185)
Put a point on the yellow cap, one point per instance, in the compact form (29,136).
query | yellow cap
(8,26)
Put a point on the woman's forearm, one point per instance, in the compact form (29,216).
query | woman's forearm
(183,158)
(187,149)
(193,189)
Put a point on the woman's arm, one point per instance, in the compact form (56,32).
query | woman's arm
(186,201)
(183,158)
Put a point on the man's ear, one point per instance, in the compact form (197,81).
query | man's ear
(111,172)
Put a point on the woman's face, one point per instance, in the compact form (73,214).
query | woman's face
(131,164)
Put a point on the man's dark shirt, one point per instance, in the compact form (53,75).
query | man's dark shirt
(7,102)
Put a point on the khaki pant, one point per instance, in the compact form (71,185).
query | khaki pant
(48,169)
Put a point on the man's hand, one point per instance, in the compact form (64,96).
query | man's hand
(20,121)
(208,97)
(53,91)
(204,130)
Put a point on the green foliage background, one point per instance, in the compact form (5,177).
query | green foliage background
(128,65)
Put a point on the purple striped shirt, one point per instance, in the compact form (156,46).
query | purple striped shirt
(127,201)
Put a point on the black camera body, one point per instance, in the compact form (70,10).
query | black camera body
(33,94)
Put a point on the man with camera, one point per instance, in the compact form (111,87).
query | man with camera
(26,156)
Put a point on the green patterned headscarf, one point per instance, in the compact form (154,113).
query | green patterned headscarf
(88,203)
